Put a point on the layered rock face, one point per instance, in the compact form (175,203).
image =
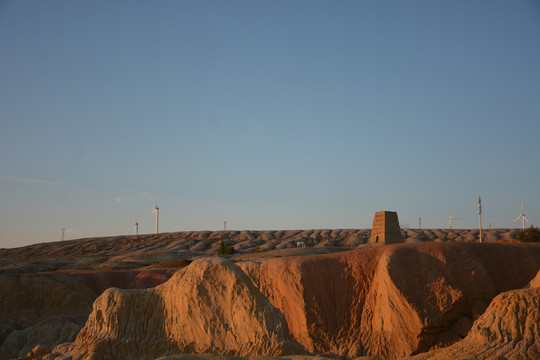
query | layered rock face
(50,309)
(391,301)
(509,329)
(210,306)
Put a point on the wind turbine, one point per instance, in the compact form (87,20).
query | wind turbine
(522,216)
(450,218)
(156,210)
(136,225)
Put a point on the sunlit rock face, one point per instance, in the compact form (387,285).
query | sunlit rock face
(210,306)
(391,301)
(384,301)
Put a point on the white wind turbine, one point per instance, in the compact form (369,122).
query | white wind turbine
(450,218)
(136,225)
(156,210)
(522,216)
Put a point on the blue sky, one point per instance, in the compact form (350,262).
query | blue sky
(265,114)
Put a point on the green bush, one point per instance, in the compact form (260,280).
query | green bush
(531,234)
(225,250)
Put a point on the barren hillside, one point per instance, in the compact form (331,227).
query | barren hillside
(169,294)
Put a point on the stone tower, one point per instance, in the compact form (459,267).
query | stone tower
(386,228)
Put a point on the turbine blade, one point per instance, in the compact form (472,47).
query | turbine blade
(519,217)
(526,220)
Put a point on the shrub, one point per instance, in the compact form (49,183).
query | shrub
(225,250)
(531,234)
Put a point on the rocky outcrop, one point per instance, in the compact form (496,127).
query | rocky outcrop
(211,306)
(387,302)
(536,281)
(509,329)
(49,309)
(391,301)
(46,334)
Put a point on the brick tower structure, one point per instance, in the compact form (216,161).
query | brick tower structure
(386,228)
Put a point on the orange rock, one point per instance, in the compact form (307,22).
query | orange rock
(211,306)
(391,301)
(384,301)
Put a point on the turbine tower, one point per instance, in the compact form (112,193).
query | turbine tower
(136,225)
(156,210)
(63,231)
(450,218)
(522,216)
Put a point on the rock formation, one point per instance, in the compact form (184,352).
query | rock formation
(50,309)
(509,329)
(536,281)
(211,306)
(391,301)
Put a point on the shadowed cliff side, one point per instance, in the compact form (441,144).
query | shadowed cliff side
(509,329)
(49,309)
(210,306)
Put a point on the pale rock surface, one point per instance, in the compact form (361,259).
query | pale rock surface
(211,306)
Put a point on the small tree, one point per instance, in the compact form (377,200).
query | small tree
(531,234)
(225,250)
(221,248)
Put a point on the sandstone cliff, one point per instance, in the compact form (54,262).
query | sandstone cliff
(210,306)
(509,329)
(385,301)
(391,301)
(50,309)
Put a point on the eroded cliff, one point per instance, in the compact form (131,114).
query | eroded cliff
(391,301)
(210,306)
(387,302)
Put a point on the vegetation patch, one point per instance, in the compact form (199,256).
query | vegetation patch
(225,250)
(531,234)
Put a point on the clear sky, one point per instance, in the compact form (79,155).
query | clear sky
(265,114)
